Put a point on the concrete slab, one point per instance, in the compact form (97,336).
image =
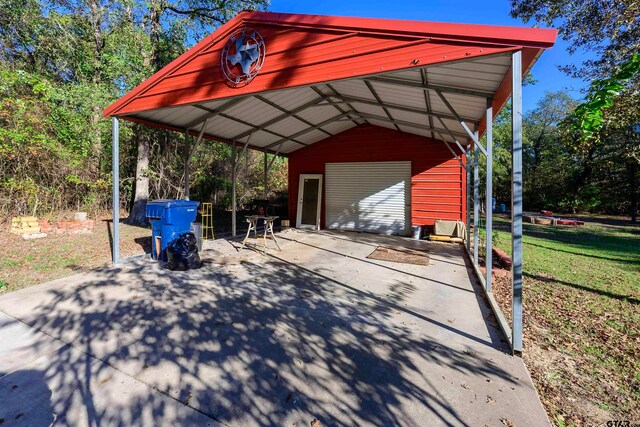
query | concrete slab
(316,330)
(70,387)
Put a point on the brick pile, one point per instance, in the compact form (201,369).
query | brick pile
(33,225)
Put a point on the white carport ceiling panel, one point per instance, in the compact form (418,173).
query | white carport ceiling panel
(487,68)
(291,98)
(338,126)
(453,125)
(466,106)
(381,123)
(464,80)
(394,94)
(254,111)
(319,114)
(155,115)
(312,136)
(212,105)
(502,60)
(262,139)
(225,128)
(421,132)
(423,120)
(288,147)
(407,116)
(368,109)
(176,116)
(354,87)
(288,126)
(189,115)
(413,75)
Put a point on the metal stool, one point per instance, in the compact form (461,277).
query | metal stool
(268,229)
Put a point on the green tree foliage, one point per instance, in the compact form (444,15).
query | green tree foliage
(44,164)
(61,63)
(609,30)
(588,118)
(602,135)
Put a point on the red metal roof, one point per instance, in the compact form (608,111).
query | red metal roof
(306,49)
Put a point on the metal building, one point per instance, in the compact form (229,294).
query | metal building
(383,115)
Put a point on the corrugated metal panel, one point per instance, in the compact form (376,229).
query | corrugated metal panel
(487,70)
(288,126)
(291,98)
(368,196)
(337,127)
(381,124)
(407,75)
(214,104)
(369,109)
(305,50)
(465,106)
(289,147)
(353,87)
(312,136)
(478,71)
(423,120)
(416,131)
(394,94)
(253,111)
(461,74)
(261,139)
(319,113)
(182,116)
(225,128)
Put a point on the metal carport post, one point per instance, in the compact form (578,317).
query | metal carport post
(516,200)
(115,165)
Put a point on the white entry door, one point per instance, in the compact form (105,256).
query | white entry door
(369,196)
(309,201)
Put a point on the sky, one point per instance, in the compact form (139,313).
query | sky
(490,12)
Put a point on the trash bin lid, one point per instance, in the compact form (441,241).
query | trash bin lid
(171,203)
(155,208)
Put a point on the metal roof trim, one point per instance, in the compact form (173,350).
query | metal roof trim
(509,35)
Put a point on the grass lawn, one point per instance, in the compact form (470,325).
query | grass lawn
(30,262)
(581,318)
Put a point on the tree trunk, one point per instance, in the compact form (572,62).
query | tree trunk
(138,213)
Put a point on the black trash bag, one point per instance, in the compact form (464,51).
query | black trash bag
(182,253)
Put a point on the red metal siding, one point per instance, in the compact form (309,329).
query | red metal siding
(306,49)
(437,180)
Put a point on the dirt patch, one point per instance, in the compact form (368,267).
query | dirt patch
(30,262)
(572,355)
(402,255)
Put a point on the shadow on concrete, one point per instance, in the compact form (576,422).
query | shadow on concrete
(26,399)
(264,343)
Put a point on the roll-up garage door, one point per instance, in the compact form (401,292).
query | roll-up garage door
(368,196)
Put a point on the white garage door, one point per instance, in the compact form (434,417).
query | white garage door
(368,196)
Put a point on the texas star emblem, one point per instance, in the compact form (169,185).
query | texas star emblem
(242,57)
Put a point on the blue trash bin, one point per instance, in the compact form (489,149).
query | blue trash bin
(169,219)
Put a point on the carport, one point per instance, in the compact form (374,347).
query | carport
(280,83)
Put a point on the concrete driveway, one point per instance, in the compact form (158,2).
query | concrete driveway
(315,331)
